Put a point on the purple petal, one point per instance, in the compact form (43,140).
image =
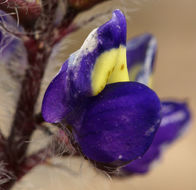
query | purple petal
(54,106)
(67,92)
(109,36)
(114,32)
(7,39)
(9,22)
(175,118)
(141,53)
(12,51)
(59,102)
(120,123)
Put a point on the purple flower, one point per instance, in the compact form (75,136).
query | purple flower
(113,120)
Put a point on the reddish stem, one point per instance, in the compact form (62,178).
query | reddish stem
(34,160)
(40,157)
(23,124)
(82,5)
(5,169)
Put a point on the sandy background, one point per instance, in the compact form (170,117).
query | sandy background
(173,22)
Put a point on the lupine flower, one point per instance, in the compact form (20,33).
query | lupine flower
(175,114)
(113,120)
(92,93)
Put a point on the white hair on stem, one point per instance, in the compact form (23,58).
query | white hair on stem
(4,2)
(17,16)
(5,175)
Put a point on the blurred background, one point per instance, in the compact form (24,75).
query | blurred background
(173,23)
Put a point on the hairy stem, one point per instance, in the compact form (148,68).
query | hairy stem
(28,12)
(59,145)
(23,124)
(34,160)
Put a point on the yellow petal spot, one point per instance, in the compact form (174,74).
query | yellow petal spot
(122,67)
(120,72)
(110,67)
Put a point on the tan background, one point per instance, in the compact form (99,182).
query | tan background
(173,22)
